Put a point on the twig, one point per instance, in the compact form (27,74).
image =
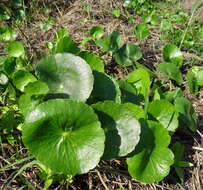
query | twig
(200,134)
(197,148)
(102,181)
(189,55)
(118,172)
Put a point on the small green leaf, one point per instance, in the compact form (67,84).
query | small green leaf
(5,13)
(172,71)
(60,34)
(121,128)
(96,32)
(116,13)
(128,54)
(178,151)
(192,80)
(7,34)
(36,87)
(180,172)
(65,136)
(129,93)
(172,53)
(110,43)
(183,164)
(141,31)
(140,79)
(66,74)
(95,62)
(16,49)
(172,95)
(9,65)
(22,78)
(28,102)
(187,113)
(165,113)
(48,24)
(66,44)
(151,159)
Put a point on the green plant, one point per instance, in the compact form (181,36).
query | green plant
(141,31)
(75,115)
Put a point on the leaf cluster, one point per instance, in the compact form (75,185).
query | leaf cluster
(76,115)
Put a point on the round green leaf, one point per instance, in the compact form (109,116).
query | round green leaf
(172,71)
(66,44)
(95,62)
(65,136)
(140,79)
(67,74)
(152,159)
(22,78)
(36,87)
(172,53)
(110,43)
(128,54)
(16,49)
(129,93)
(142,31)
(7,33)
(165,113)
(96,32)
(121,127)
(28,102)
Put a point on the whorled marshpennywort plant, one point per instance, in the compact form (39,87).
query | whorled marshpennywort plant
(76,115)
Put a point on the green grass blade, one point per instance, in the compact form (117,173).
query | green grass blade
(17,162)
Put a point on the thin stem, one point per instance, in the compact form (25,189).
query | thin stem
(195,7)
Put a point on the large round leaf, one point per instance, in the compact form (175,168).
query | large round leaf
(164,112)
(65,136)
(67,74)
(121,128)
(152,159)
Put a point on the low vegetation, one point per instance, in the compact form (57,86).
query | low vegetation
(66,111)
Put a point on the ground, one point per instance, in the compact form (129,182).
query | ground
(71,15)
